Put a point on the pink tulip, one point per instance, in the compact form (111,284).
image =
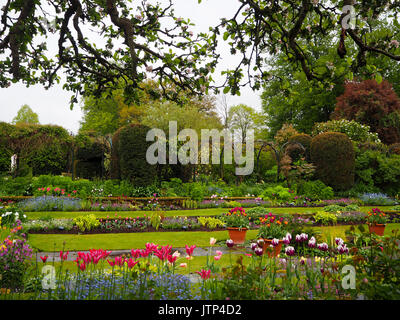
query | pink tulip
(82,266)
(189,250)
(131,263)
(171,258)
(216,258)
(204,274)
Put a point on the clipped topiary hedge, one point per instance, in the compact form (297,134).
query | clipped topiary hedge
(333,155)
(130,153)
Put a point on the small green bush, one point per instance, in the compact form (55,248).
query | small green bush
(315,190)
(325,218)
(277,193)
(87,222)
(210,222)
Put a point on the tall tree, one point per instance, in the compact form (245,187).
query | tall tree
(26,115)
(243,118)
(260,29)
(100,41)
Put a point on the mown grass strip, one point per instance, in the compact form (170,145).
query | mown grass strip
(115,241)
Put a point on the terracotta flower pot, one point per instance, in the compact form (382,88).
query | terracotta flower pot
(276,250)
(237,235)
(379,229)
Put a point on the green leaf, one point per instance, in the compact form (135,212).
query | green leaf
(378,78)
(226,35)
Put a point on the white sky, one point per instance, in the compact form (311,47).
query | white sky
(52,105)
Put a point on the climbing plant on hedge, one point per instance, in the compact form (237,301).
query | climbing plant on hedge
(88,159)
(43,148)
(5,150)
(131,147)
(51,156)
(333,155)
(305,141)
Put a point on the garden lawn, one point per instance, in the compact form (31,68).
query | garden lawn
(115,241)
(172,213)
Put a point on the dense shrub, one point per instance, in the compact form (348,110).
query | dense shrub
(130,154)
(395,148)
(333,155)
(373,104)
(277,193)
(377,171)
(315,190)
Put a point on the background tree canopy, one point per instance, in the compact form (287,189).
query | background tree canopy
(26,115)
(147,40)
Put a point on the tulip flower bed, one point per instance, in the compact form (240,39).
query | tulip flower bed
(157,272)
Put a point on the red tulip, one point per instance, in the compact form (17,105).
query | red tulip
(44,259)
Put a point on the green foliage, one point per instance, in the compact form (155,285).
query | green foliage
(131,149)
(210,222)
(156,218)
(333,155)
(26,115)
(190,204)
(354,130)
(378,171)
(278,193)
(315,190)
(333,208)
(197,192)
(89,156)
(325,218)
(87,222)
(232,204)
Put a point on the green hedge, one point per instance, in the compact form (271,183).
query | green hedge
(334,157)
(130,154)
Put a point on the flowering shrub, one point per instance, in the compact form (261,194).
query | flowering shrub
(236,218)
(272,227)
(8,218)
(15,256)
(353,129)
